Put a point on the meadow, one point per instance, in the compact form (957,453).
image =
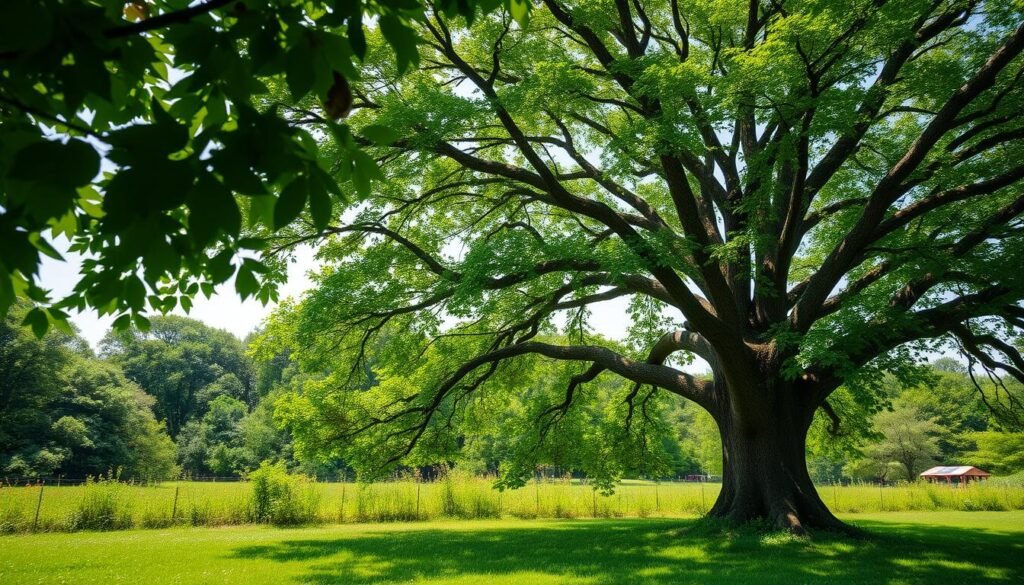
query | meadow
(902,547)
(111,505)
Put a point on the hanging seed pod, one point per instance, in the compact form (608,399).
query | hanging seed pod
(339,98)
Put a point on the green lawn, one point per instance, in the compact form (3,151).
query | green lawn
(910,547)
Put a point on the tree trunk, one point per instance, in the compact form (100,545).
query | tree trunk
(764,470)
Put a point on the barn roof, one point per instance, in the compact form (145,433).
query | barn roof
(953,471)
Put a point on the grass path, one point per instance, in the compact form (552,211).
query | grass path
(912,547)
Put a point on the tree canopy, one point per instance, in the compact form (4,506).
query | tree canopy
(147,133)
(184,364)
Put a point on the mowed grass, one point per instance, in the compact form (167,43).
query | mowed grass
(902,547)
(459,497)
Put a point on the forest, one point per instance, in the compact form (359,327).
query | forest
(185,400)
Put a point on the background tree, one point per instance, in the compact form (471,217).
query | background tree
(956,407)
(185,364)
(909,444)
(999,452)
(66,412)
(801,194)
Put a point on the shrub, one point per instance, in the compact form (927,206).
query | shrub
(280,498)
(105,505)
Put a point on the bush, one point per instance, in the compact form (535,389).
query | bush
(105,505)
(280,498)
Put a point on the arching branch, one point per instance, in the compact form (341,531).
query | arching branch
(665,377)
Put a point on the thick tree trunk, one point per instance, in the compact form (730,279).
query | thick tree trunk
(765,470)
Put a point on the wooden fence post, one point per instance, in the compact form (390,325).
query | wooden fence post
(174,507)
(342,520)
(39,504)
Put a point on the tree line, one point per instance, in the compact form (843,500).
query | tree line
(182,399)
(187,400)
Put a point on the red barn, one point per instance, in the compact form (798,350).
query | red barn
(955,475)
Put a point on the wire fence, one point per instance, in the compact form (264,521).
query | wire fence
(68,504)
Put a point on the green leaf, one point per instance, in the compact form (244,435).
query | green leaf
(25,25)
(37,320)
(66,225)
(319,206)
(235,169)
(151,186)
(43,246)
(212,209)
(380,135)
(356,36)
(289,205)
(67,165)
(245,282)
(6,290)
(402,39)
(520,11)
(299,70)
(261,211)
(122,323)
(365,171)
(134,293)
(142,142)
(141,322)
(219,267)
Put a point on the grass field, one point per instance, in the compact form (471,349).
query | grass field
(903,547)
(221,504)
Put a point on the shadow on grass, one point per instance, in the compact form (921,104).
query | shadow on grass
(653,551)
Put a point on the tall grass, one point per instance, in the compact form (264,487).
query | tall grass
(107,504)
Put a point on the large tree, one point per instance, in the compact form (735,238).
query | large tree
(803,194)
(184,364)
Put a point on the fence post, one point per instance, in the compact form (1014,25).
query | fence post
(418,484)
(594,494)
(174,507)
(703,506)
(342,520)
(657,499)
(39,504)
(536,485)
(881,502)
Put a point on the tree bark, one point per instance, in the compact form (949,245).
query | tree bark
(764,467)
